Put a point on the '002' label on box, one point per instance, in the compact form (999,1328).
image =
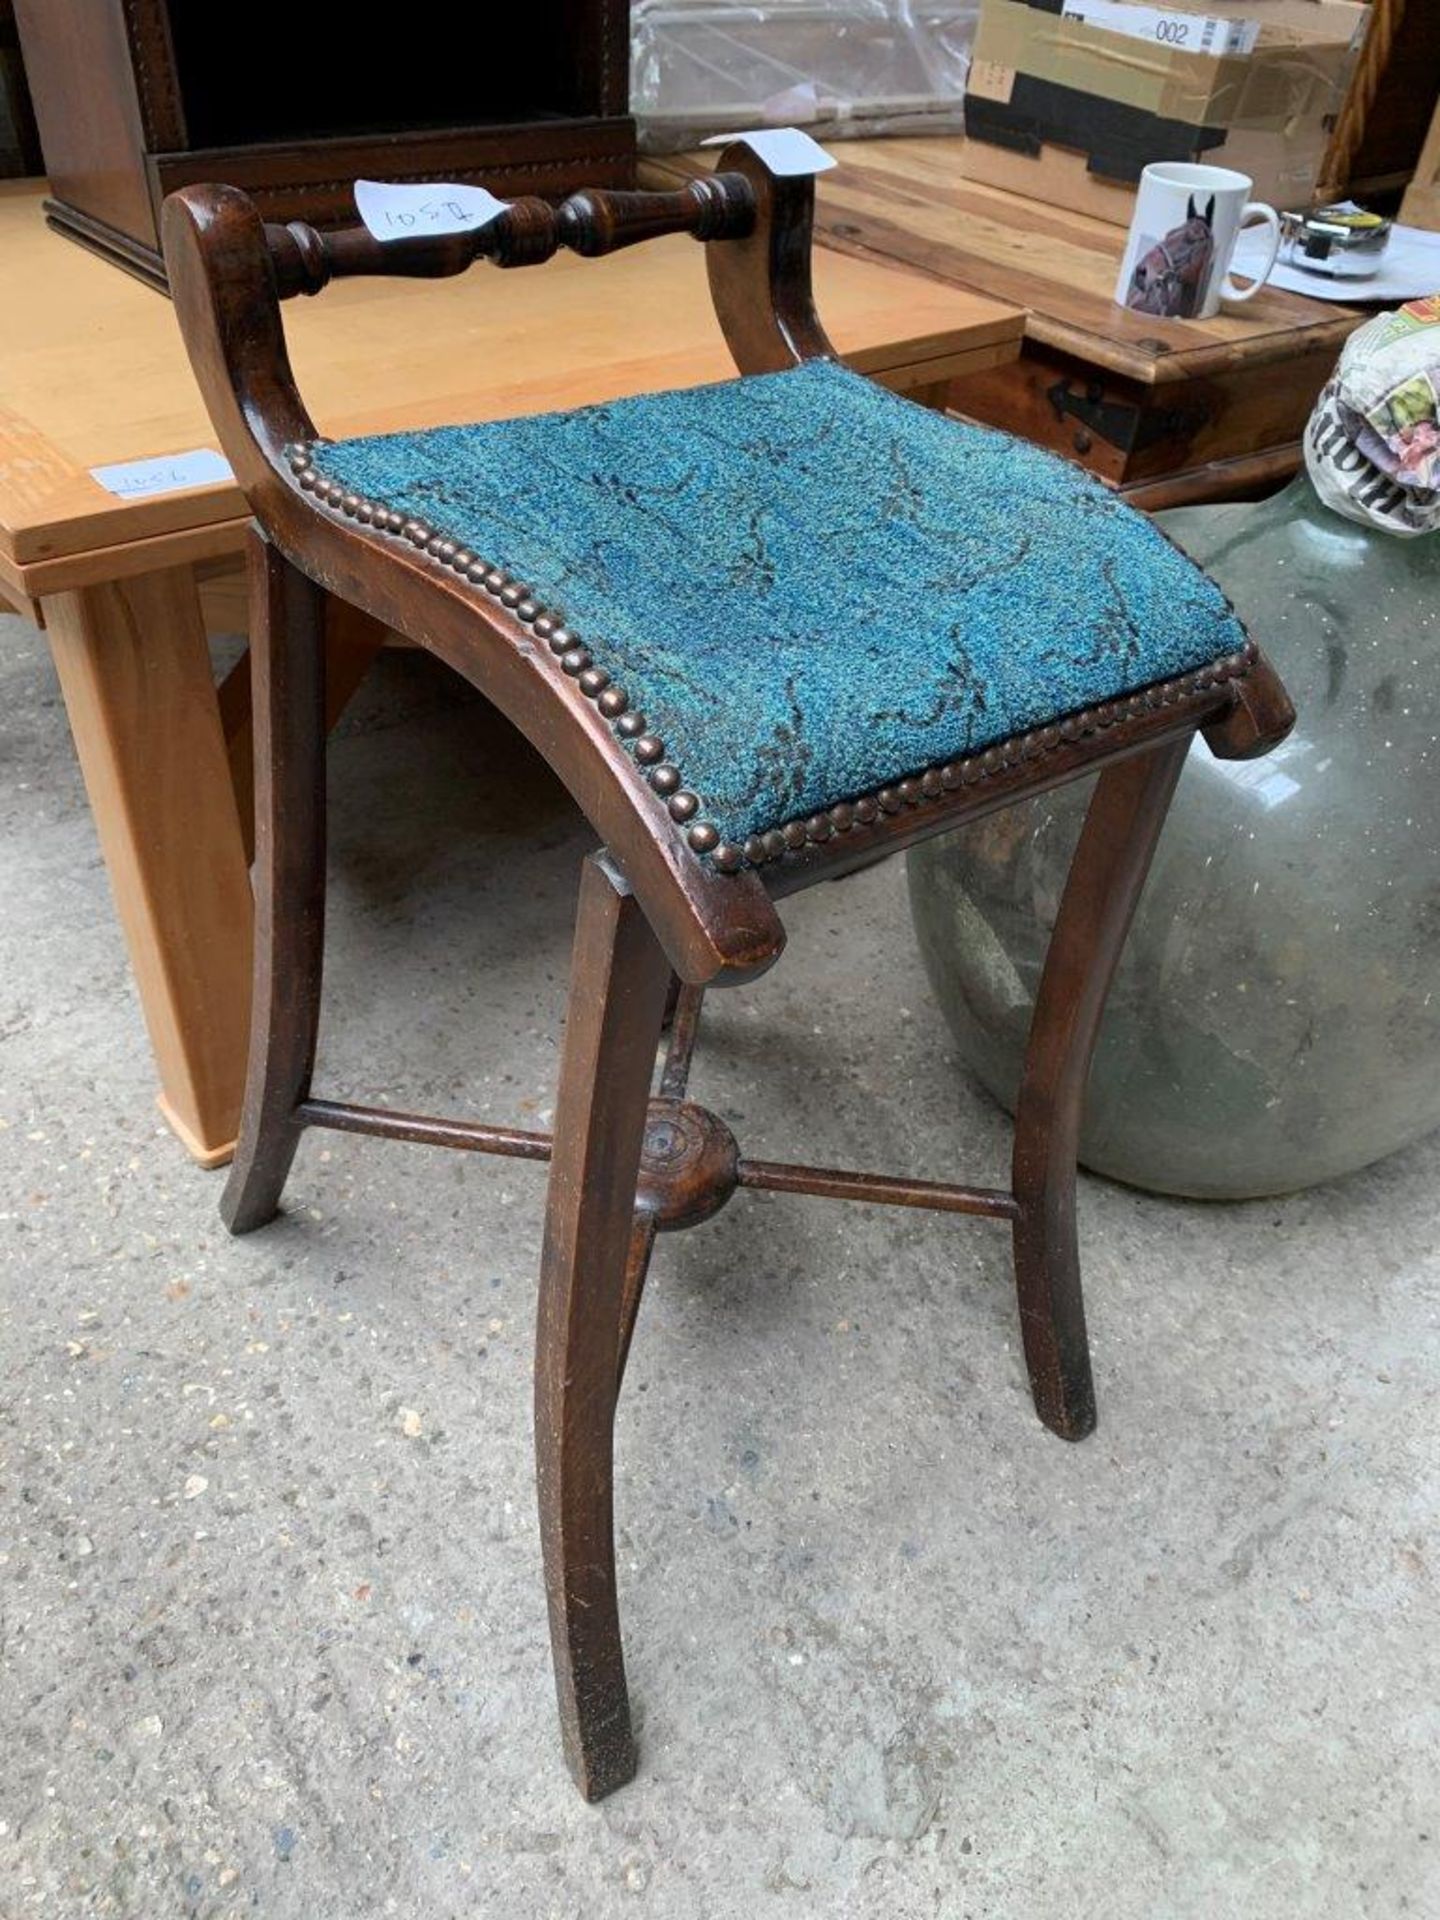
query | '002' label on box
(1185,32)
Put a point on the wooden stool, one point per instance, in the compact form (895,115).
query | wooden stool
(766,633)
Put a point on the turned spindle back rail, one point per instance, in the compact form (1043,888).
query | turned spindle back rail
(530,231)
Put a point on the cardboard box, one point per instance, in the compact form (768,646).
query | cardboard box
(1285,172)
(1068,100)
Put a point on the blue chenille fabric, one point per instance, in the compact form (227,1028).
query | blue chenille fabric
(808,585)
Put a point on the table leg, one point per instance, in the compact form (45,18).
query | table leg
(134,668)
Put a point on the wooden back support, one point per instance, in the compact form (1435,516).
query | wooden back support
(719,207)
(229,272)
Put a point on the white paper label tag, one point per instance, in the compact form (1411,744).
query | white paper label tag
(401,210)
(171,473)
(785,150)
(1185,32)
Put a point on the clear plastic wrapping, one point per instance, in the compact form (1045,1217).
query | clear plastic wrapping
(839,67)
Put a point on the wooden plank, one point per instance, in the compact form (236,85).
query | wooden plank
(928,373)
(1251,476)
(134,668)
(189,545)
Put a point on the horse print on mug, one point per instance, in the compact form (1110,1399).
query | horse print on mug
(1199,213)
(1171,276)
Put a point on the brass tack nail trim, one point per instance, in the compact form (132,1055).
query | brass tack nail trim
(935,783)
(519,598)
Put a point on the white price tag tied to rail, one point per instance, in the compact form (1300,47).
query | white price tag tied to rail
(170,473)
(785,150)
(1185,32)
(401,210)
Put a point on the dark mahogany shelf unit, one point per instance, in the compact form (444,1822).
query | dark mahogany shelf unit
(137,97)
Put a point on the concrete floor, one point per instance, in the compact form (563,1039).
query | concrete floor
(273,1627)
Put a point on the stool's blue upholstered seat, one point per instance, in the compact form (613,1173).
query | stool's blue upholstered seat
(809,586)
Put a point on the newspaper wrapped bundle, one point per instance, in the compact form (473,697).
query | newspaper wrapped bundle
(1372,445)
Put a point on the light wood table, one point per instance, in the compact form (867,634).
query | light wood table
(92,371)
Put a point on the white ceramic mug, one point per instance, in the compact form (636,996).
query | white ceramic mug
(1182,239)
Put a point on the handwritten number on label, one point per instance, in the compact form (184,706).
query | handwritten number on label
(400,209)
(168,473)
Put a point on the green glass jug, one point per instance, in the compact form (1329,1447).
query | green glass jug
(1275,1020)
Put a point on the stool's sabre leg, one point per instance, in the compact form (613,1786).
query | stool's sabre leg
(287,656)
(1121,829)
(612,1028)
(643,1229)
(685,1008)
(682,1011)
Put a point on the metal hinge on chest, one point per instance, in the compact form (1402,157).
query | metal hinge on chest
(1120,423)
